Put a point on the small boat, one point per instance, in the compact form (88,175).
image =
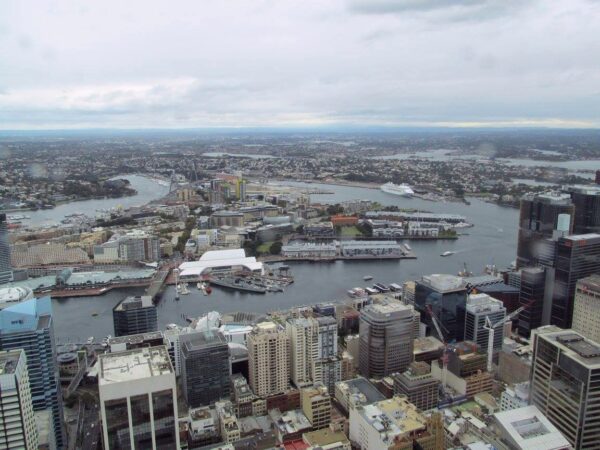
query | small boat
(178,288)
(408,247)
(184,289)
(90,340)
(200,285)
(368,277)
(448,253)
(94,314)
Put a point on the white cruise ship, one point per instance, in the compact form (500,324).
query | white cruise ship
(398,189)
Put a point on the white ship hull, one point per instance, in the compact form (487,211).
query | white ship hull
(404,190)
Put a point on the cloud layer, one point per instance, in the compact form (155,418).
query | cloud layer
(139,64)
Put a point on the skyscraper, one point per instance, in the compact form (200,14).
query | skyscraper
(29,325)
(480,306)
(205,368)
(268,359)
(135,315)
(586,307)
(5,268)
(537,221)
(138,399)
(533,281)
(386,333)
(17,422)
(446,295)
(564,383)
(577,257)
(587,208)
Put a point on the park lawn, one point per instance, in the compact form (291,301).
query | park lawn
(264,247)
(350,231)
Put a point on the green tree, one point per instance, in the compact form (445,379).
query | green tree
(275,248)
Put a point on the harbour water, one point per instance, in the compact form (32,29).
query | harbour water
(491,241)
(147,190)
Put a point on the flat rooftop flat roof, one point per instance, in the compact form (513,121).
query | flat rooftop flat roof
(8,361)
(134,364)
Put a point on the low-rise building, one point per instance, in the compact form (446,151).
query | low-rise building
(395,424)
(326,439)
(316,405)
(418,385)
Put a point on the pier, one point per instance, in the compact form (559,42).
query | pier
(158,283)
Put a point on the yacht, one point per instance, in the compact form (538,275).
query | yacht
(447,254)
(403,190)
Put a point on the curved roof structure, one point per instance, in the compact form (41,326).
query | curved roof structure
(222,259)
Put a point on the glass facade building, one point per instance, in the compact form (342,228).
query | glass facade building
(5,268)
(447,297)
(586,200)
(533,280)
(205,368)
(135,315)
(28,325)
(538,219)
(577,257)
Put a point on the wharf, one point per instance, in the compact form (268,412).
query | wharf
(158,283)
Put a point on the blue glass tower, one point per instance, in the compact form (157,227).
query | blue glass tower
(28,326)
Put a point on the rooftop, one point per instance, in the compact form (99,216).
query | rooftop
(324,437)
(11,295)
(573,345)
(529,429)
(393,417)
(201,340)
(483,303)
(443,282)
(591,283)
(363,386)
(9,360)
(132,302)
(136,338)
(134,364)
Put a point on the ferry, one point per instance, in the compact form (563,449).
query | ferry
(368,277)
(357,292)
(371,291)
(395,287)
(448,253)
(404,190)
(381,287)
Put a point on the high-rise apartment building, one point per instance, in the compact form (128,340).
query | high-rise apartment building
(565,384)
(586,307)
(587,208)
(29,325)
(386,334)
(135,315)
(205,368)
(577,257)
(17,422)
(480,307)
(5,267)
(314,351)
(138,399)
(268,359)
(446,295)
(538,220)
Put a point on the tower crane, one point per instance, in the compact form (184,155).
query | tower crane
(438,329)
(492,329)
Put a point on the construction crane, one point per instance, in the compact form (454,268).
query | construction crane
(492,329)
(438,329)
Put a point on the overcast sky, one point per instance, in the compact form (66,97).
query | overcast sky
(199,63)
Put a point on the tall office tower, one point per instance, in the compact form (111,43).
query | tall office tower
(586,307)
(480,306)
(5,268)
(205,368)
(138,399)
(303,335)
(587,208)
(533,283)
(17,422)
(597,177)
(577,257)
(29,325)
(447,297)
(268,359)
(419,385)
(537,221)
(135,315)
(386,334)
(326,368)
(564,383)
